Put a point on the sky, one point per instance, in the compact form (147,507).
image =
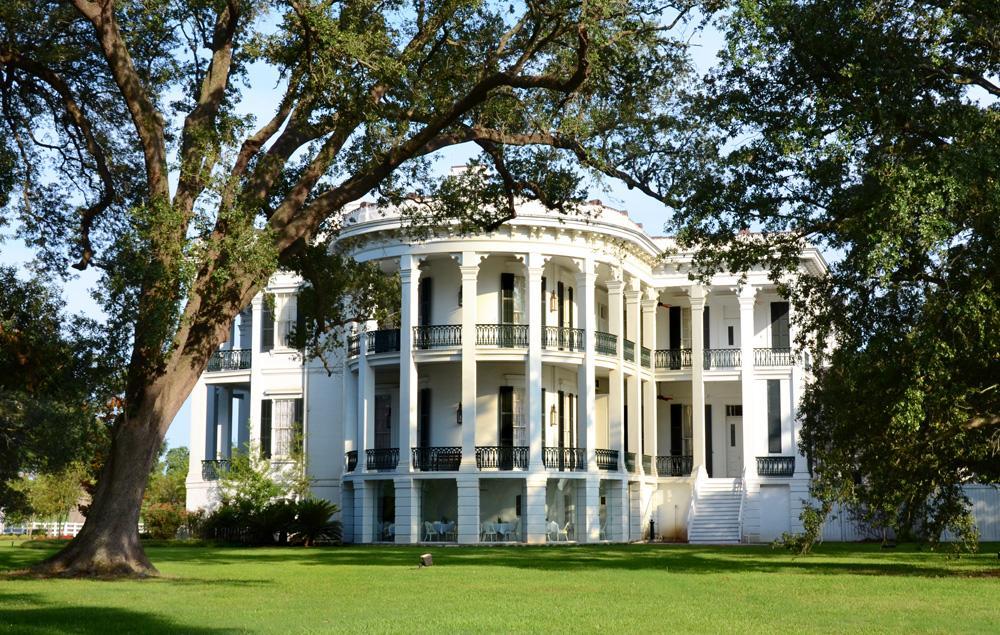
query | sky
(260,99)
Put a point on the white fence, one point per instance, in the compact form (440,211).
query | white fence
(841,527)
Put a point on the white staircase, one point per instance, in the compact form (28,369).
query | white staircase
(716,511)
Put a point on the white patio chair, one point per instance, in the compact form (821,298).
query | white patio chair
(452,532)
(552,531)
(429,532)
(564,533)
(604,531)
(489,533)
(512,530)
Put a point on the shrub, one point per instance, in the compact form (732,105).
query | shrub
(312,523)
(162,520)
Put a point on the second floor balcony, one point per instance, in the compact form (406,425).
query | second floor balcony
(234,359)
(502,335)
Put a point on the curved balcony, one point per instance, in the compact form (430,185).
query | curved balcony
(606,343)
(234,359)
(772,357)
(354,345)
(628,349)
(350,460)
(674,465)
(630,462)
(646,357)
(565,459)
(673,358)
(722,358)
(437,459)
(563,339)
(606,459)
(212,469)
(383,341)
(432,336)
(384,459)
(647,464)
(502,457)
(502,335)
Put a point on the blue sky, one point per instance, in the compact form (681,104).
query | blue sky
(260,100)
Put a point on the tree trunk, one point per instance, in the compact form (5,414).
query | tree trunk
(108,544)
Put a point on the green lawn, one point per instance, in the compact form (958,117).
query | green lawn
(607,589)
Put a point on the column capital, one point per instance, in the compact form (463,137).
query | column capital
(469,272)
(747,295)
(697,295)
(468,259)
(632,296)
(615,286)
(535,260)
(649,306)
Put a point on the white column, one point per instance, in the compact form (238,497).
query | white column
(256,383)
(752,415)
(364,521)
(212,424)
(407,511)
(468,508)
(588,374)
(243,422)
(592,508)
(535,509)
(224,423)
(635,390)
(532,401)
(409,276)
(616,377)
(199,423)
(697,293)
(349,407)
(366,401)
(470,276)
(649,398)
(795,392)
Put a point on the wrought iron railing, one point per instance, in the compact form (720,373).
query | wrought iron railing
(350,460)
(437,459)
(647,464)
(605,343)
(628,349)
(353,345)
(674,465)
(502,457)
(564,459)
(775,465)
(211,469)
(722,358)
(772,357)
(630,461)
(383,341)
(382,459)
(235,359)
(563,338)
(502,335)
(437,336)
(606,459)
(673,358)
(646,356)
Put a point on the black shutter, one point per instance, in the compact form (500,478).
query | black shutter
(571,303)
(708,439)
(266,328)
(298,425)
(561,297)
(265,428)
(425,289)
(545,309)
(706,342)
(779,325)
(676,429)
(506,298)
(773,416)
(424,418)
(300,324)
(544,420)
(625,424)
(506,435)
(562,419)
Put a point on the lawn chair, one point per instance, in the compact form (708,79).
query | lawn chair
(452,532)
(564,533)
(429,532)
(515,529)
(552,531)
(489,533)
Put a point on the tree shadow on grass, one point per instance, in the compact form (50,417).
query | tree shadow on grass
(865,560)
(28,613)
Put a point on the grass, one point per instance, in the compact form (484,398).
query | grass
(621,589)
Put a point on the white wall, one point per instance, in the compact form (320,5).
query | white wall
(445,383)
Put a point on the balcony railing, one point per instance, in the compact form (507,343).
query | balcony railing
(437,459)
(383,341)
(502,457)
(772,357)
(437,336)
(606,344)
(564,459)
(722,358)
(502,335)
(353,345)
(606,459)
(630,462)
(647,464)
(212,469)
(775,465)
(674,465)
(382,459)
(646,356)
(235,359)
(563,338)
(629,350)
(350,460)
(673,358)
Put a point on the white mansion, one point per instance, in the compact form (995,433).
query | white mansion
(558,379)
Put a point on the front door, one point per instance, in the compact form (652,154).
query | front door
(734,441)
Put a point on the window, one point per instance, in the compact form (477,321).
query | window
(734,411)
(383,422)
(267,324)
(280,427)
(265,428)
(773,416)
(425,291)
(511,298)
(779,325)
(731,335)
(732,435)
(424,418)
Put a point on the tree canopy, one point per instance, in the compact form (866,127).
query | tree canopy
(870,128)
(124,148)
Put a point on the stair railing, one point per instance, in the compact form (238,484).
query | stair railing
(743,497)
(694,500)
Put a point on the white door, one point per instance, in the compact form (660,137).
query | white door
(734,446)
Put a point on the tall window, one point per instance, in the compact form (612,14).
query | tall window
(424,418)
(280,427)
(383,422)
(267,324)
(511,298)
(779,325)
(511,430)
(773,416)
(425,293)
(265,428)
